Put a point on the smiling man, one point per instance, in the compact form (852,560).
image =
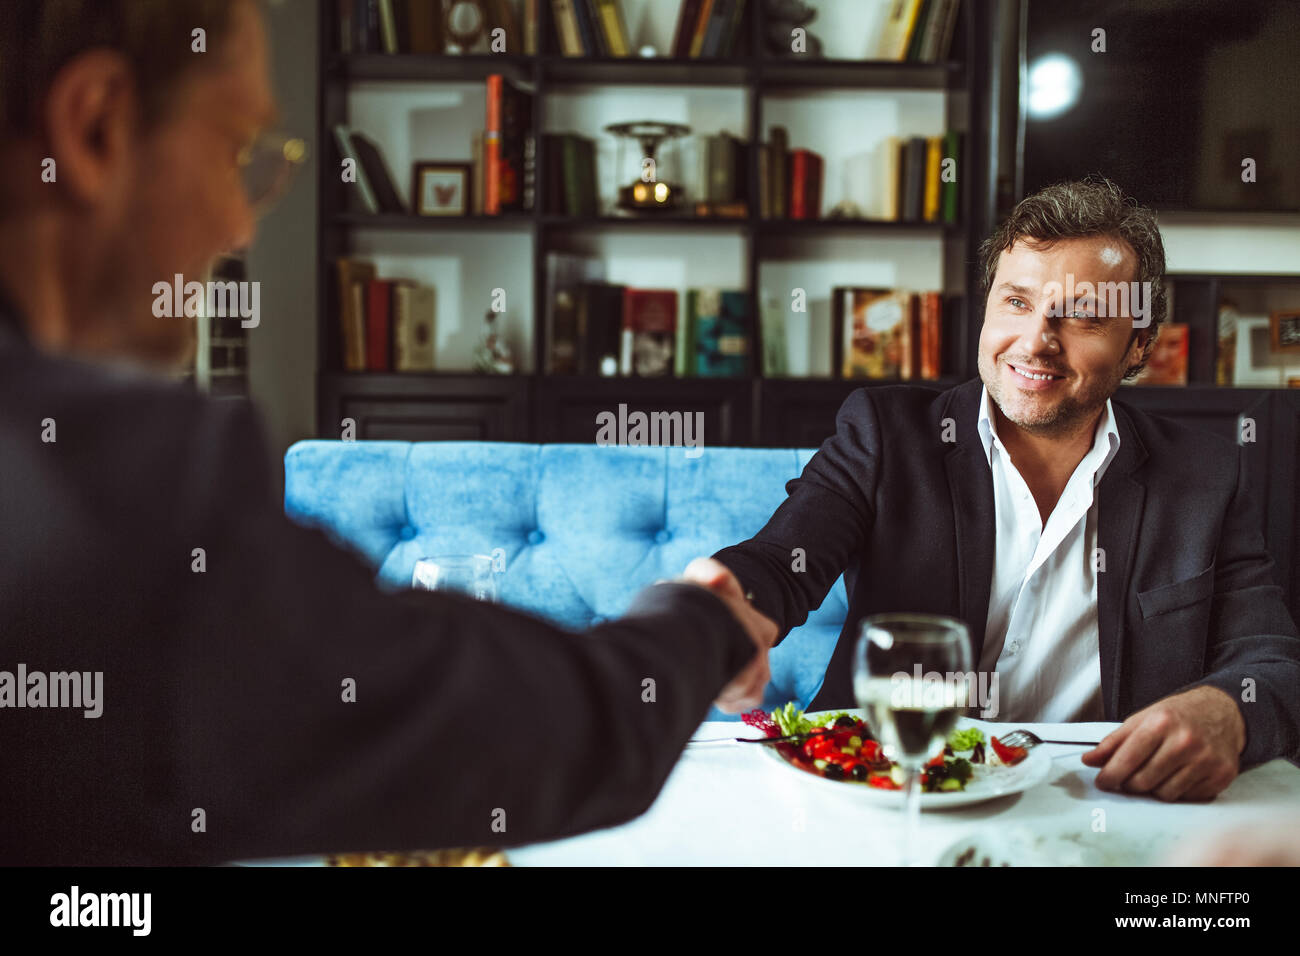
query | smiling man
(1108,564)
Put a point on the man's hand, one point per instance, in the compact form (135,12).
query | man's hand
(746,689)
(1184,747)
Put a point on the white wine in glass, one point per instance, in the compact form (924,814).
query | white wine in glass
(908,676)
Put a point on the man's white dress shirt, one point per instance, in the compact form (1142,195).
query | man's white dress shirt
(1041,634)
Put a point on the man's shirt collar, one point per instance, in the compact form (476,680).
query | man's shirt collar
(1105,441)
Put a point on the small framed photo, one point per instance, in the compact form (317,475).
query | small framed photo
(441,189)
(1285,327)
(1258,364)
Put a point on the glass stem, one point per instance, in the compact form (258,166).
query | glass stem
(911,815)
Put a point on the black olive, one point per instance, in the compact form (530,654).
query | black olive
(833,771)
(844,720)
(860,771)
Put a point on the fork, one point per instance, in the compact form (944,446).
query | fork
(1028,739)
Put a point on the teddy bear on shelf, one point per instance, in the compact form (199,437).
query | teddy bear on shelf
(783,16)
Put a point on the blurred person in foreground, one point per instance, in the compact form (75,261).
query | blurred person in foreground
(1108,563)
(223,731)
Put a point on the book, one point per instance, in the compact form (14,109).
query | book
(649,327)
(414,317)
(718,20)
(701,28)
(362,195)
(890,207)
(501,15)
(1167,364)
(931,345)
(353,275)
(530,27)
(564,274)
(426,26)
(600,42)
(780,176)
(805,184)
(378,331)
(897,33)
(776,358)
(949,192)
(913,192)
(873,329)
(507,128)
(733,28)
(765,180)
(933,161)
(944,49)
(600,328)
(721,333)
(566,27)
(928,51)
(586,34)
(917,31)
(387,27)
(687,16)
(615,30)
(346,33)
(381,181)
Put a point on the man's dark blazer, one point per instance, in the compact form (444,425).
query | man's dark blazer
(223,689)
(1186,598)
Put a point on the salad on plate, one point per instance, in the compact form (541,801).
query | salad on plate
(840,746)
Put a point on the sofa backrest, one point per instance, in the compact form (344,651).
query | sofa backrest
(580,528)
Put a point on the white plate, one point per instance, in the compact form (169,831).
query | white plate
(1021,846)
(986,783)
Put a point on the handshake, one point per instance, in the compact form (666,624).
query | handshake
(745,690)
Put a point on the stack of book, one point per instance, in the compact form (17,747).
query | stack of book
(570,187)
(595,327)
(887,333)
(708,28)
(419,26)
(509,153)
(590,28)
(918,31)
(387,325)
(789,181)
(921,182)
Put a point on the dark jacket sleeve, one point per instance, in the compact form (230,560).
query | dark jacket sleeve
(471,724)
(791,564)
(1253,652)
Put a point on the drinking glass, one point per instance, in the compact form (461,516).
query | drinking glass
(470,574)
(907,676)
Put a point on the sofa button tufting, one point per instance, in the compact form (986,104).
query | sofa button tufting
(536,537)
(406,533)
(663,535)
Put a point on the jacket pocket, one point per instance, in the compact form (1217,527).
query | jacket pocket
(1171,597)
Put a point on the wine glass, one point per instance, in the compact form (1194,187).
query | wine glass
(470,574)
(908,675)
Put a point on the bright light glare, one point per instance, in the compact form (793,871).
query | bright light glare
(1054,85)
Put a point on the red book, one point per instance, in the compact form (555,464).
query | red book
(492,147)
(805,184)
(378,292)
(649,331)
(931,334)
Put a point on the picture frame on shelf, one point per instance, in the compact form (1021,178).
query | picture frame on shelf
(1284,327)
(441,189)
(1257,365)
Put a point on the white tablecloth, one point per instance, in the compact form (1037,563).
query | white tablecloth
(729,804)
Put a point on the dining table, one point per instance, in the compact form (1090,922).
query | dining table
(729,804)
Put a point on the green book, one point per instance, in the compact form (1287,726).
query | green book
(948,192)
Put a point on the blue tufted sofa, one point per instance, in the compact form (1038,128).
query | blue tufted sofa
(582,528)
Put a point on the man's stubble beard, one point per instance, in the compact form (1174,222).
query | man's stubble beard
(1059,421)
